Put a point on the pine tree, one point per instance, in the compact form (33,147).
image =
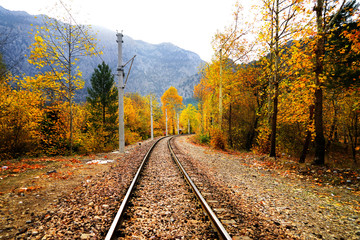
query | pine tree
(103,102)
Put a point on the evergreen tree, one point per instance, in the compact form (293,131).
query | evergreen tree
(102,99)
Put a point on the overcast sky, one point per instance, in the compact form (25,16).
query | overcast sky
(189,24)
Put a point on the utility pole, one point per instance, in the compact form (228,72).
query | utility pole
(121,86)
(177,115)
(151,116)
(220,92)
(166,122)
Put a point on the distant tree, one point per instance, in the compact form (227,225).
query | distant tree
(188,118)
(171,103)
(103,101)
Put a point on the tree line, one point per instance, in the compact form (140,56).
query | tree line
(289,85)
(301,94)
(38,115)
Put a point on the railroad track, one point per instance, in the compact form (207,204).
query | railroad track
(163,202)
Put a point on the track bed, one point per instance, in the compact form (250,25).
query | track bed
(163,205)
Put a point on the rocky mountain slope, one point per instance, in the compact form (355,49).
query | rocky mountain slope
(156,66)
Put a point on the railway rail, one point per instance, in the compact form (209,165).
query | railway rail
(136,205)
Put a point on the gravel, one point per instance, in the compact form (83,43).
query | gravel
(87,211)
(280,203)
(252,202)
(163,206)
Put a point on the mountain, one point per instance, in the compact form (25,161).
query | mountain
(155,69)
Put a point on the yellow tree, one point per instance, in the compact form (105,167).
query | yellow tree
(157,115)
(282,21)
(59,46)
(188,119)
(171,103)
(20,115)
(232,43)
(296,107)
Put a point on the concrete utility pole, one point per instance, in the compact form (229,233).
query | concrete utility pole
(151,116)
(121,86)
(220,92)
(177,115)
(166,122)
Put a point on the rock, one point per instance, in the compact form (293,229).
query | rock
(241,238)
(105,206)
(277,223)
(21,231)
(28,221)
(85,236)
(91,203)
(52,171)
(34,233)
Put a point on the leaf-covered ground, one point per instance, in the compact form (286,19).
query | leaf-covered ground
(59,198)
(310,202)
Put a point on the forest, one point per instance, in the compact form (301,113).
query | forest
(300,96)
(284,84)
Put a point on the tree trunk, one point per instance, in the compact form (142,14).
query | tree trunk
(353,136)
(276,85)
(71,123)
(308,136)
(319,67)
(356,136)
(251,135)
(274,121)
(230,127)
(332,134)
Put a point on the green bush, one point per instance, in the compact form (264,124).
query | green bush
(204,139)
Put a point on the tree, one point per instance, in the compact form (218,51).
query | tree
(20,114)
(171,102)
(340,58)
(231,44)
(323,23)
(103,101)
(188,118)
(282,25)
(58,46)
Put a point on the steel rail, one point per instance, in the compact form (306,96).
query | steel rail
(223,234)
(121,211)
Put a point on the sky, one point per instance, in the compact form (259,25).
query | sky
(189,24)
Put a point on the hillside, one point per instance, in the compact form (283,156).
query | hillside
(156,66)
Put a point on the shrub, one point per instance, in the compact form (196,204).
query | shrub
(218,139)
(204,139)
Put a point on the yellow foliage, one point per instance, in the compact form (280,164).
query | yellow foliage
(20,116)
